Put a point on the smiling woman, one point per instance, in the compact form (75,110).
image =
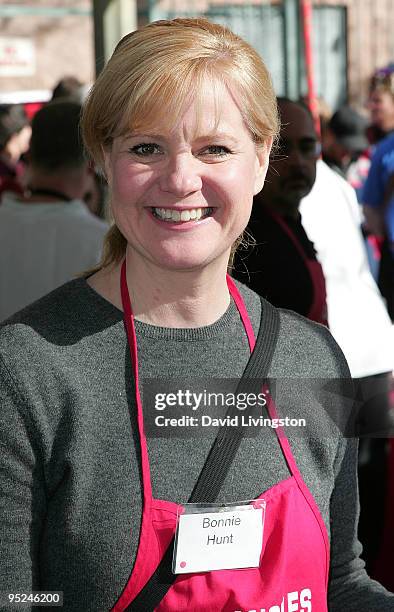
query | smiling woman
(175,192)
(181,121)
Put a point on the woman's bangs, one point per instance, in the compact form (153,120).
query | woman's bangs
(168,97)
(161,104)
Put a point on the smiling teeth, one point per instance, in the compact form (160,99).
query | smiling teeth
(168,214)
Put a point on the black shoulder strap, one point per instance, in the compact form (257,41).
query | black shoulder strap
(220,456)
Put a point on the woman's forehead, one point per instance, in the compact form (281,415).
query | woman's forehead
(209,110)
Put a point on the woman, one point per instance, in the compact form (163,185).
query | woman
(181,120)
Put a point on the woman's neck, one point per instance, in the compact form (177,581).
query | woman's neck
(177,299)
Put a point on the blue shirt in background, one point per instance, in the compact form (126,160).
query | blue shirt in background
(382,167)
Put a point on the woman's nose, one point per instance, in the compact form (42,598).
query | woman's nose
(181,176)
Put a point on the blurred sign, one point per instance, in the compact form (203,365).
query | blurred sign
(17,57)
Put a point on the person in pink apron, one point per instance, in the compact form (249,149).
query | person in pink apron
(96,502)
(282,267)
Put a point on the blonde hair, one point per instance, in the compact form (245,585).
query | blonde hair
(155,70)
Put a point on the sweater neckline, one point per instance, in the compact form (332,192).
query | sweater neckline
(187,334)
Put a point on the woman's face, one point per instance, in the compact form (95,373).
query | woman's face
(381,106)
(181,194)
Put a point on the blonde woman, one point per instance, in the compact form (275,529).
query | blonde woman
(181,121)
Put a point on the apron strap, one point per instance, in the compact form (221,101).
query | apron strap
(220,456)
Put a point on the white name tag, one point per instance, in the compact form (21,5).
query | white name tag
(215,539)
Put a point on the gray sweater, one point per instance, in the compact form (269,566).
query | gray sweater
(70,482)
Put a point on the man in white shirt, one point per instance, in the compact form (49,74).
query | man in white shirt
(357,316)
(48,236)
(360,323)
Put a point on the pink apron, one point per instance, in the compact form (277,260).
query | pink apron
(294,562)
(318,309)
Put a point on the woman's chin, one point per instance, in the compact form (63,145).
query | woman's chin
(189,261)
(176,257)
(179,264)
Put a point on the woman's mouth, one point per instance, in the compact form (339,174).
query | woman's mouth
(172,215)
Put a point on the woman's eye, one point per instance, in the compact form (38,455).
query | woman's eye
(216,151)
(146,149)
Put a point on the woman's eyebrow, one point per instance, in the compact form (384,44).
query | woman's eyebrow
(217,136)
(146,134)
(209,137)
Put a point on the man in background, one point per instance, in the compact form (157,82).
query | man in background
(68,88)
(344,140)
(282,267)
(48,236)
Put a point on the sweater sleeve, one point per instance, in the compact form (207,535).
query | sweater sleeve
(350,588)
(22,494)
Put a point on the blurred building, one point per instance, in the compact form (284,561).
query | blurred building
(44,40)
(351,38)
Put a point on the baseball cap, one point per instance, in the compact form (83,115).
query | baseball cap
(349,128)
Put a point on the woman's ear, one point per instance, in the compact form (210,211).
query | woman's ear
(262,160)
